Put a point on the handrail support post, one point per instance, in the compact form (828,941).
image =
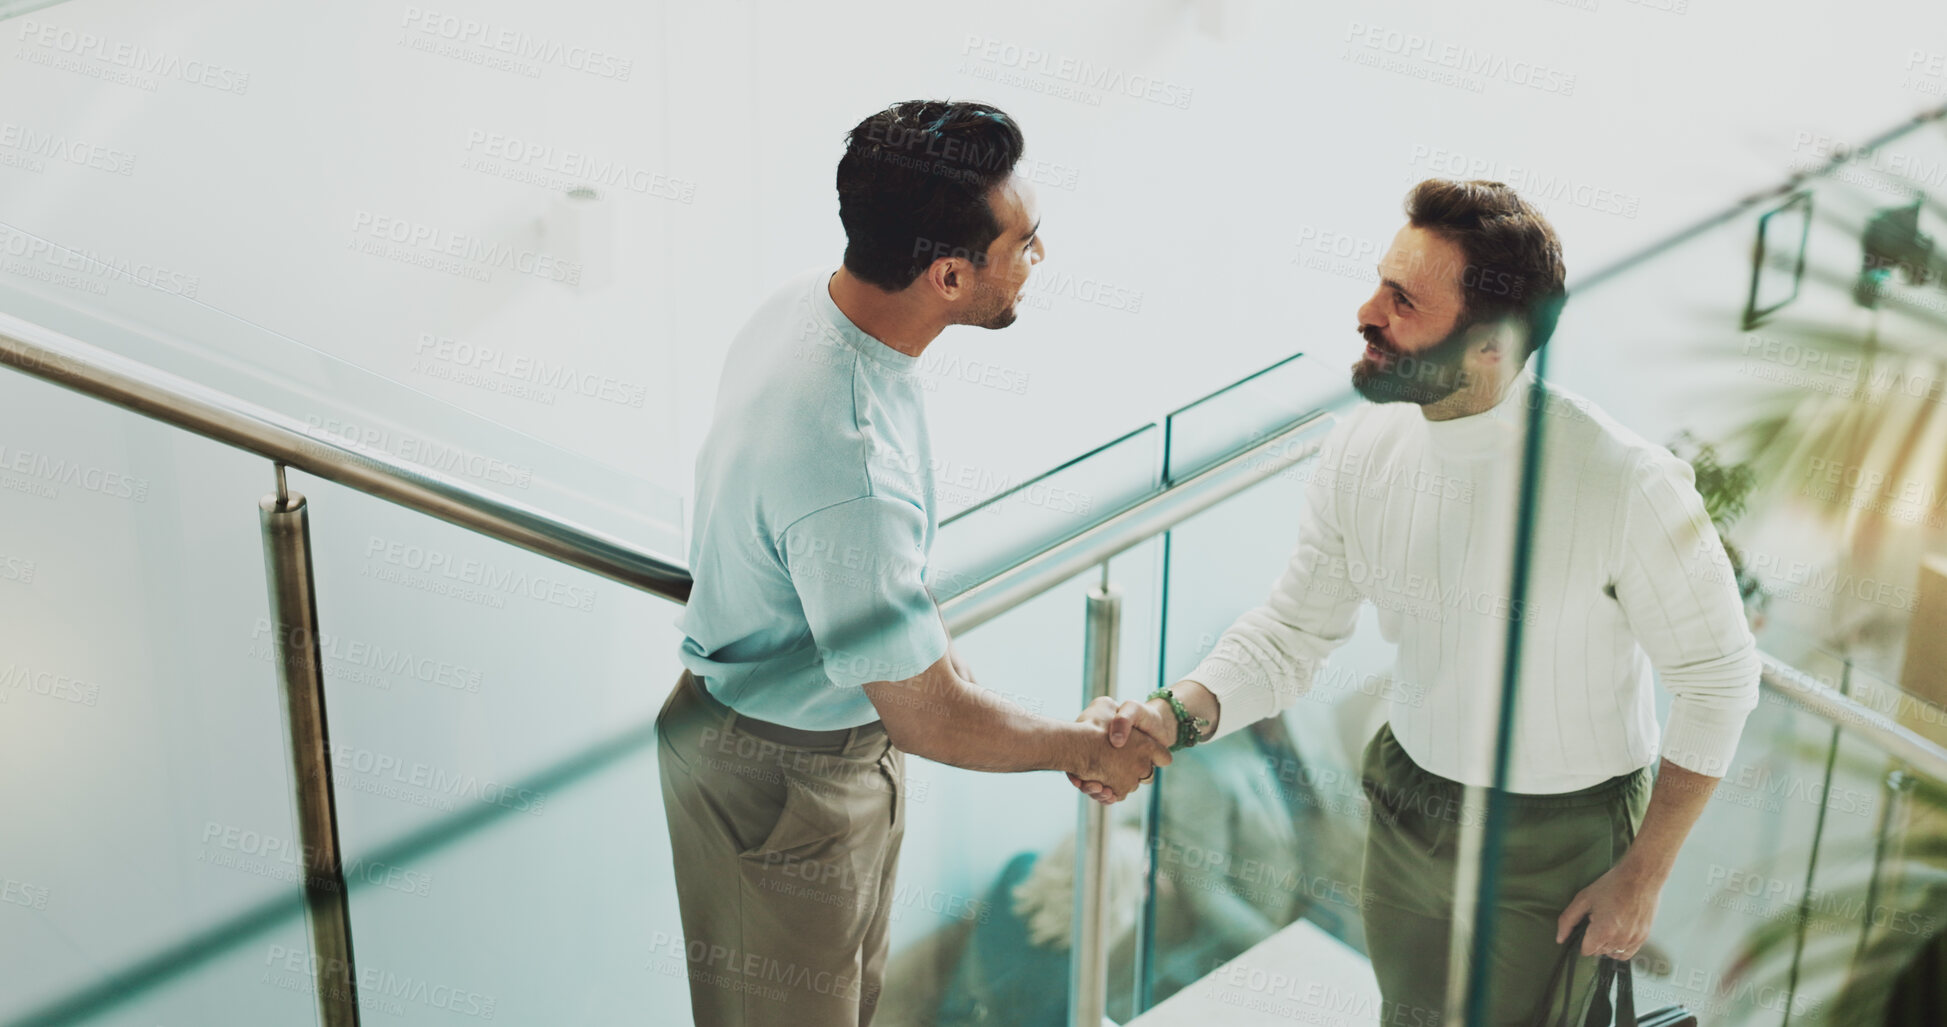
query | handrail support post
(285,520)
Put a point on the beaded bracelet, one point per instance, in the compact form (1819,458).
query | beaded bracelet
(1189,730)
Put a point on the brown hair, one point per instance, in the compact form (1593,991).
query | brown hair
(1514,262)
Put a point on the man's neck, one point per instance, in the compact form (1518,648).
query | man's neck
(893,318)
(1477,397)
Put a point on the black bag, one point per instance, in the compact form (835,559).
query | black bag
(1608,972)
(1617,970)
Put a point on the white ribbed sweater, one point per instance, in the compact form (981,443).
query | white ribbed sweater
(1626,573)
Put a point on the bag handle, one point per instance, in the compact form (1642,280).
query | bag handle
(1617,971)
(1562,979)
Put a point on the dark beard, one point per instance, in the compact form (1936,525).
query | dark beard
(1000,310)
(1421,378)
(1001,320)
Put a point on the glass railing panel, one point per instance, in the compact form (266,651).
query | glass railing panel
(990,942)
(1796,350)
(1810,889)
(493,750)
(1259,406)
(1252,830)
(1896,974)
(268,979)
(1261,830)
(1026,517)
(1903,907)
(1829,403)
(412,416)
(1692,316)
(150,837)
(981,927)
(1872,907)
(1264,837)
(1724,941)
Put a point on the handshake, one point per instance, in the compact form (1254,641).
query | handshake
(1125,745)
(1107,752)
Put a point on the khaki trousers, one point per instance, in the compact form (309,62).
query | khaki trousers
(784,856)
(1555,846)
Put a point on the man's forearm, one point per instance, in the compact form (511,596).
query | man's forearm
(944,718)
(1676,803)
(1621,904)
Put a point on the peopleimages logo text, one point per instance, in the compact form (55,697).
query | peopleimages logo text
(61,147)
(1465,60)
(536,370)
(62,471)
(577,165)
(134,58)
(517,43)
(95,264)
(1029,60)
(458,248)
(487,577)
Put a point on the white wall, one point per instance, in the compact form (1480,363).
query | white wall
(1650,117)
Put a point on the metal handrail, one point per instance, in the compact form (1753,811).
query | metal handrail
(1813,696)
(174,400)
(91,370)
(1040,571)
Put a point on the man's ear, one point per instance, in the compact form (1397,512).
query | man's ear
(950,278)
(1494,341)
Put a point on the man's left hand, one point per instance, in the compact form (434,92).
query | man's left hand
(1620,906)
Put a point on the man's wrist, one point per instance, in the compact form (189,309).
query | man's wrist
(1201,702)
(1644,867)
(1164,713)
(1186,727)
(1076,747)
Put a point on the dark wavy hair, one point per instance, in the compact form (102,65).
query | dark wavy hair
(1514,262)
(913,185)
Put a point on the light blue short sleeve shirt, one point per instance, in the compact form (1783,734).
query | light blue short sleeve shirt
(813,519)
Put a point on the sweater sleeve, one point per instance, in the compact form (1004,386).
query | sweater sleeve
(1267,659)
(1680,599)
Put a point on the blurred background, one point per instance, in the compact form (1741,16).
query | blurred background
(510,245)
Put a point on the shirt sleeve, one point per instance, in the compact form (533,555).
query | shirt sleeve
(1680,599)
(1267,659)
(857,570)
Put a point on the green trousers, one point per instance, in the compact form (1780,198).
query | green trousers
(1555,846)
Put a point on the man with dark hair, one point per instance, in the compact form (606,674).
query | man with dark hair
(1507,265)
(930,162)
(1412,507)
(814,656)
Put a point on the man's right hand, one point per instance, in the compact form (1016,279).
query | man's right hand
(942,717)
(1112,769)
(1152,722)
(1153,719)
(1157,719)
